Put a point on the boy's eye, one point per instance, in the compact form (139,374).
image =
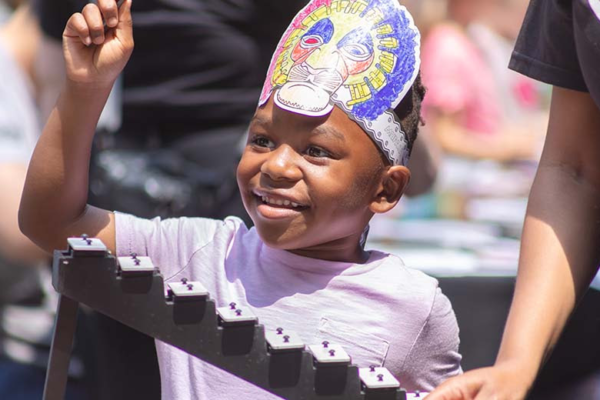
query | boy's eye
(262,141)
(313,151)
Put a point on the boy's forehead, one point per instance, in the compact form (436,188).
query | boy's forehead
(336,124)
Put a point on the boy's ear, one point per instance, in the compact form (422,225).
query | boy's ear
(391,186)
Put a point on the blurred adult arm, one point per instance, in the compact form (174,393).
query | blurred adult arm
(19,38)
(560,253)
(14,246)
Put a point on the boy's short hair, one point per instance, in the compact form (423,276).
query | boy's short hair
(409,111)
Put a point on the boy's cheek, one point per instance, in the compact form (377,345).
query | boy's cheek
(244,170)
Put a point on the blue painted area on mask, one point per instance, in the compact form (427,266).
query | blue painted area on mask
(406,60)
(357,36)
(324,29)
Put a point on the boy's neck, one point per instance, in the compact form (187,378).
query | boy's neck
(346,249)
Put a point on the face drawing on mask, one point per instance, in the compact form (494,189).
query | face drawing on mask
(359,55)
(322,65)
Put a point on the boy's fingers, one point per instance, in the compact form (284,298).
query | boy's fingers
(93,18)
(110,12)
(77,26)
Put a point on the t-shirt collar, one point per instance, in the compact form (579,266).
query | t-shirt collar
(284,258)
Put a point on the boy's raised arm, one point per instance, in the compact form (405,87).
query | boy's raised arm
(54,203)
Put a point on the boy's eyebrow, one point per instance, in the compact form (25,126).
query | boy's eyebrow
(330,131)
(319,130)
(258,120)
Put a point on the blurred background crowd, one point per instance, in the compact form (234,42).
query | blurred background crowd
(169,139)
(485,127)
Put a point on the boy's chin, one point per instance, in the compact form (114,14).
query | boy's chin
(282,239)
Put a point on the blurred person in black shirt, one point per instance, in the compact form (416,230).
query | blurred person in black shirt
(559,44)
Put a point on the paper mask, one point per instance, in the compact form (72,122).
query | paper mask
(361,55)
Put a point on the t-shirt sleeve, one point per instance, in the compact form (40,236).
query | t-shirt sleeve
(545,49)
(169,243)
(434,356)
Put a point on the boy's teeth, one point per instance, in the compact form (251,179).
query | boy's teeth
(268,200)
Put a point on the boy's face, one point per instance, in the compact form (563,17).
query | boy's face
(307,182)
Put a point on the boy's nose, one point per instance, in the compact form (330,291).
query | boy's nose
(282,164)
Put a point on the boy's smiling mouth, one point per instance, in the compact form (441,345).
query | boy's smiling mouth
(277,206)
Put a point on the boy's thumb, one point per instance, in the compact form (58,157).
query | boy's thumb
(125,27)
(125,13)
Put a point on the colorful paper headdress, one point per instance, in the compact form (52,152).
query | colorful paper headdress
(361,55)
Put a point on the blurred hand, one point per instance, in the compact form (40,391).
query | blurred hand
(493,383)
(92,54)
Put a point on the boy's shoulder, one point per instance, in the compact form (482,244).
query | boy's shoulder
(178,244)
(166,239)
(405,283)
(395,266)
(205,227)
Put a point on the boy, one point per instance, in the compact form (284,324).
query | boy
(325,152)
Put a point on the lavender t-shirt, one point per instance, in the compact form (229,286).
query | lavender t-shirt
(381,312)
